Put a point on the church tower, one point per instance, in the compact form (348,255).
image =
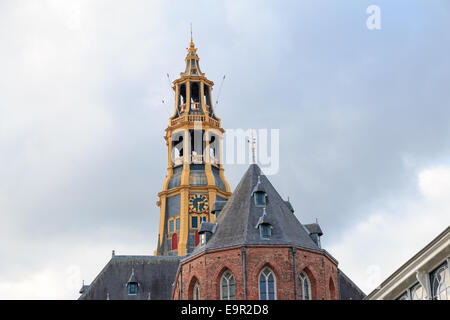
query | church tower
(195,177)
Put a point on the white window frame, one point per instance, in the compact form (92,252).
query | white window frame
(196,291)
(267,283)
(227,276)
(302,286)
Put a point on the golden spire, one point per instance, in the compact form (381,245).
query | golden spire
(192,41)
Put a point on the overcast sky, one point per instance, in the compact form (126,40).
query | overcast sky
(364,120)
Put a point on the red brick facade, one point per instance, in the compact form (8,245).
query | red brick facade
(208,267)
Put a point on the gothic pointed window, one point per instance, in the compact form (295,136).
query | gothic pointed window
(227,286)
(196,291)
(440,283)
(305,287)
(267,285)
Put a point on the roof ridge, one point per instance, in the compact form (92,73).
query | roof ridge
(253,166)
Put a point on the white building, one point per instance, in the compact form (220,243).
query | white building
(425,276)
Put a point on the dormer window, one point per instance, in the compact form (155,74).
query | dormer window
(265,231)
(264,226)
(260,199)
(132,288)
(259,194)
(132,284)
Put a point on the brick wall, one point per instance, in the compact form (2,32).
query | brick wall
(207,268)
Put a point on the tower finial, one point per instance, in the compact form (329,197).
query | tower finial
(253,142)
(191,32)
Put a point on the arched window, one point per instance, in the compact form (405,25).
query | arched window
(227,287)
(332,290)
(267,285)
(440,283)
(196,291)
(174,242)
(305,287)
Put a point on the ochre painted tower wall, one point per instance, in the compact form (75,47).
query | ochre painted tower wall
(195,177)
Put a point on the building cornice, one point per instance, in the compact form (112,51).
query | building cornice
(425,260)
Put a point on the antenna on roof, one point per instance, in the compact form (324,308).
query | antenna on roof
(170,85)
(220,90)
(173,93)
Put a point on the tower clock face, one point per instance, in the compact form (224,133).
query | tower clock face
(198,203)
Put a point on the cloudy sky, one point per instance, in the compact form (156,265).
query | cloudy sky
(363,116)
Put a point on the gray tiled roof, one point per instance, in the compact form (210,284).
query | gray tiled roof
(289,205)
(236,223)
(154,275)
(348,290)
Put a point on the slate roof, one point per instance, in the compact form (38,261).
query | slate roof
(236,223)
(154,275)
(289,205)
(218,206)
(348,290)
